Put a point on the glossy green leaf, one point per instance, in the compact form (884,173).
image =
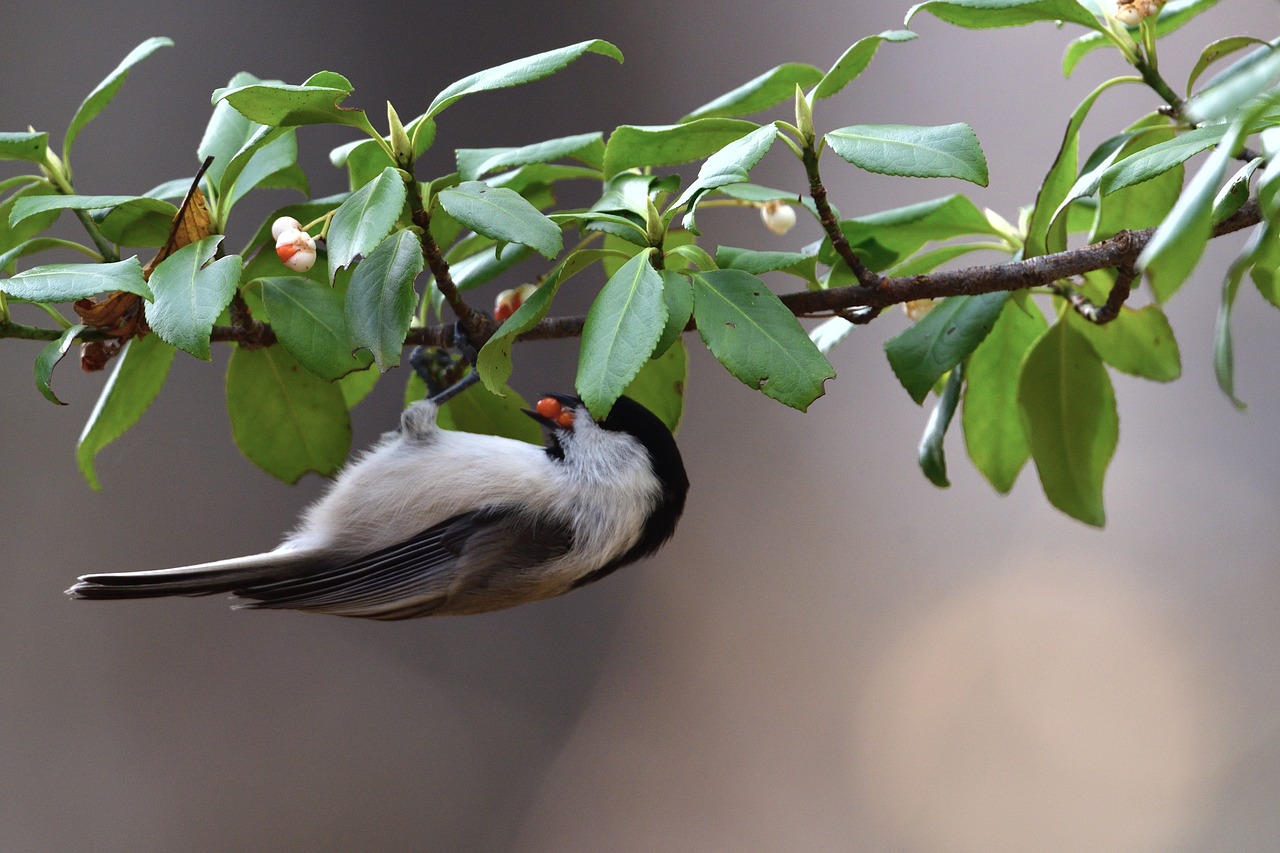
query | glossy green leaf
(12,235)
(854,61)
(226,133)
(359,384)
(1172,17)
(189,296)
(800,264)
(494,361)
(1175,249)
(1223,345)
(931,454)
(519,71)
(265,166)
(29,206)
(770,88)
(946,151)
(993,432)
(1265,271)
(1072,426)
(1216,50)
(888,237)
(105,91)
(620,333)
(475,163)
(1230,90)
(1235,192)
(1141,205)
(1147,163)
(633,146)
(278,104)
(730,165)
(31,146)
(1139,342)
(750,332)
(69,282)
(677,295)
(923,352)
(381,299)
(284,418)
(48,359)
(502,214)
(484,267)
(659,386)
(31,247)
(139,373)
(987,14)
(310,320)
(365,219)
(1058,182)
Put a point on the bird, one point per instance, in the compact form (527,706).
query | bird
(432,522)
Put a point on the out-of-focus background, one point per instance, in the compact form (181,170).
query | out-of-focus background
(831,655)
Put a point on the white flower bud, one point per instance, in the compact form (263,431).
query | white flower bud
(296,249)
(777,216)
(1131,12)
(283,224)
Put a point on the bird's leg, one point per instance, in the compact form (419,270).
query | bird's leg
(431,368)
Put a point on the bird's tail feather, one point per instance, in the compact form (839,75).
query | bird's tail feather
(200,579)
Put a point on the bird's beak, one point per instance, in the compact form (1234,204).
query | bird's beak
(554,411)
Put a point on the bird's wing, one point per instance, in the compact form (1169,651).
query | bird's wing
(482,560)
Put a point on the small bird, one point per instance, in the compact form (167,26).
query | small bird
(432,521)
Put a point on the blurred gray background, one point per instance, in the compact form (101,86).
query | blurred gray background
(831,655)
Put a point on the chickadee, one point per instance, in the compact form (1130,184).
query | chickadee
(433,521)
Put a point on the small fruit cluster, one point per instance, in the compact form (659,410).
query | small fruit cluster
(294,246)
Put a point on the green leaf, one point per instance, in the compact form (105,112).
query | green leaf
(364,219)
(1058,182)
(381,299)
(993,432)
(31,247)
(927,262)
(1216,50)
(1171,18)
(677,295)
(1141,205)
(750,332)
(620,333)
(800,264)
(49,357)
(1265,271)
(1229,91)
(310,321)
(923,352)
(931,454)
(987,14)
(266,164)
(659,386)
(1175,249)
(947,151)
(1138,342)
(284,418)
(484,267)
(12,235)
(770,88)
(494,361)
(69,282)
(888,237)
(490,414)
(854,61)
(1223,347)
(365,159)
(730,165)
(105,91)
(278,104)
(226,133)
(502,214)
(1070,413)
(30,206)
(519,71)
(632,146)
(189,296)
(358,384)
(1150,162)
(31,146)
(139,373)
(475,163)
